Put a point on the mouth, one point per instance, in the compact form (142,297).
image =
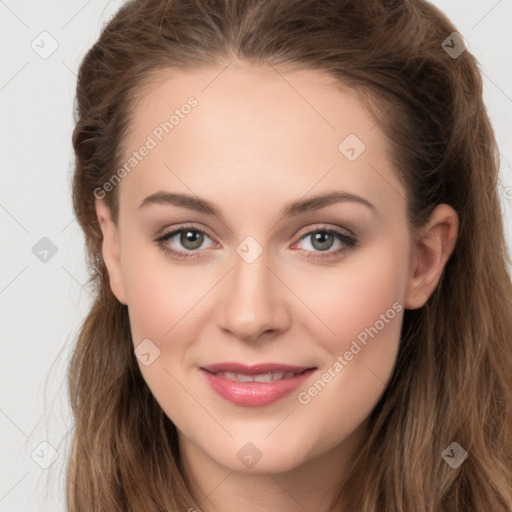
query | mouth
(259,377)
(255,385)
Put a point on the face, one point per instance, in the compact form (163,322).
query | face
(253,268)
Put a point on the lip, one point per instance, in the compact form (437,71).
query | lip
(254,394)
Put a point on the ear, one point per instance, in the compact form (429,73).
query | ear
(110,249)
(433,246)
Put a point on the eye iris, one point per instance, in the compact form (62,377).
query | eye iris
(325,240)
(191,239)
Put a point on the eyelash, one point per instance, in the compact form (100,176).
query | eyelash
(350,242)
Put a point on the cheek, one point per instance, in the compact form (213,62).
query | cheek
(160,294)
(166,305)
(362,306)
(361,310)
(348,300)
(163,304)
(365,303)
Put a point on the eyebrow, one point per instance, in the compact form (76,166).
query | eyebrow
(290,210)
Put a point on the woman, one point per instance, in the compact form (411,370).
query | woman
(291,215)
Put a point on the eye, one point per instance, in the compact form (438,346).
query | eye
(323,238)
(190,238)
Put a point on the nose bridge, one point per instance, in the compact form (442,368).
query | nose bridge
(252,303)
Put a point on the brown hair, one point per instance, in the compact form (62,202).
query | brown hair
(454,368)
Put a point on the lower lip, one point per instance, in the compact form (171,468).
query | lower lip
(255,394)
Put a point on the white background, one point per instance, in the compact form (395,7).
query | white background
(43,304)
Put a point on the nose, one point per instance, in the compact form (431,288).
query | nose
(254,303)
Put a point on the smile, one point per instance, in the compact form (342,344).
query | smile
(254,385)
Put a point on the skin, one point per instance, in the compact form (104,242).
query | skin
(258,140)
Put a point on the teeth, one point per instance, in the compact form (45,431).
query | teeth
(262,377)
(240,377)
(229,375)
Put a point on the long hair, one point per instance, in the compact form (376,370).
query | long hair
(452,380)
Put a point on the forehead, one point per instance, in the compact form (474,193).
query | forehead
(256,97)
(257,128)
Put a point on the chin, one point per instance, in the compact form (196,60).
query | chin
(259,456)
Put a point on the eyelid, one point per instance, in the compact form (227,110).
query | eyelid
(165,233)
(327,227)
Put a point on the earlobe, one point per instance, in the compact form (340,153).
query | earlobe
(432,248)
(110,249)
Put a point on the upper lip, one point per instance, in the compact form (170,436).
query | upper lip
(254,369)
